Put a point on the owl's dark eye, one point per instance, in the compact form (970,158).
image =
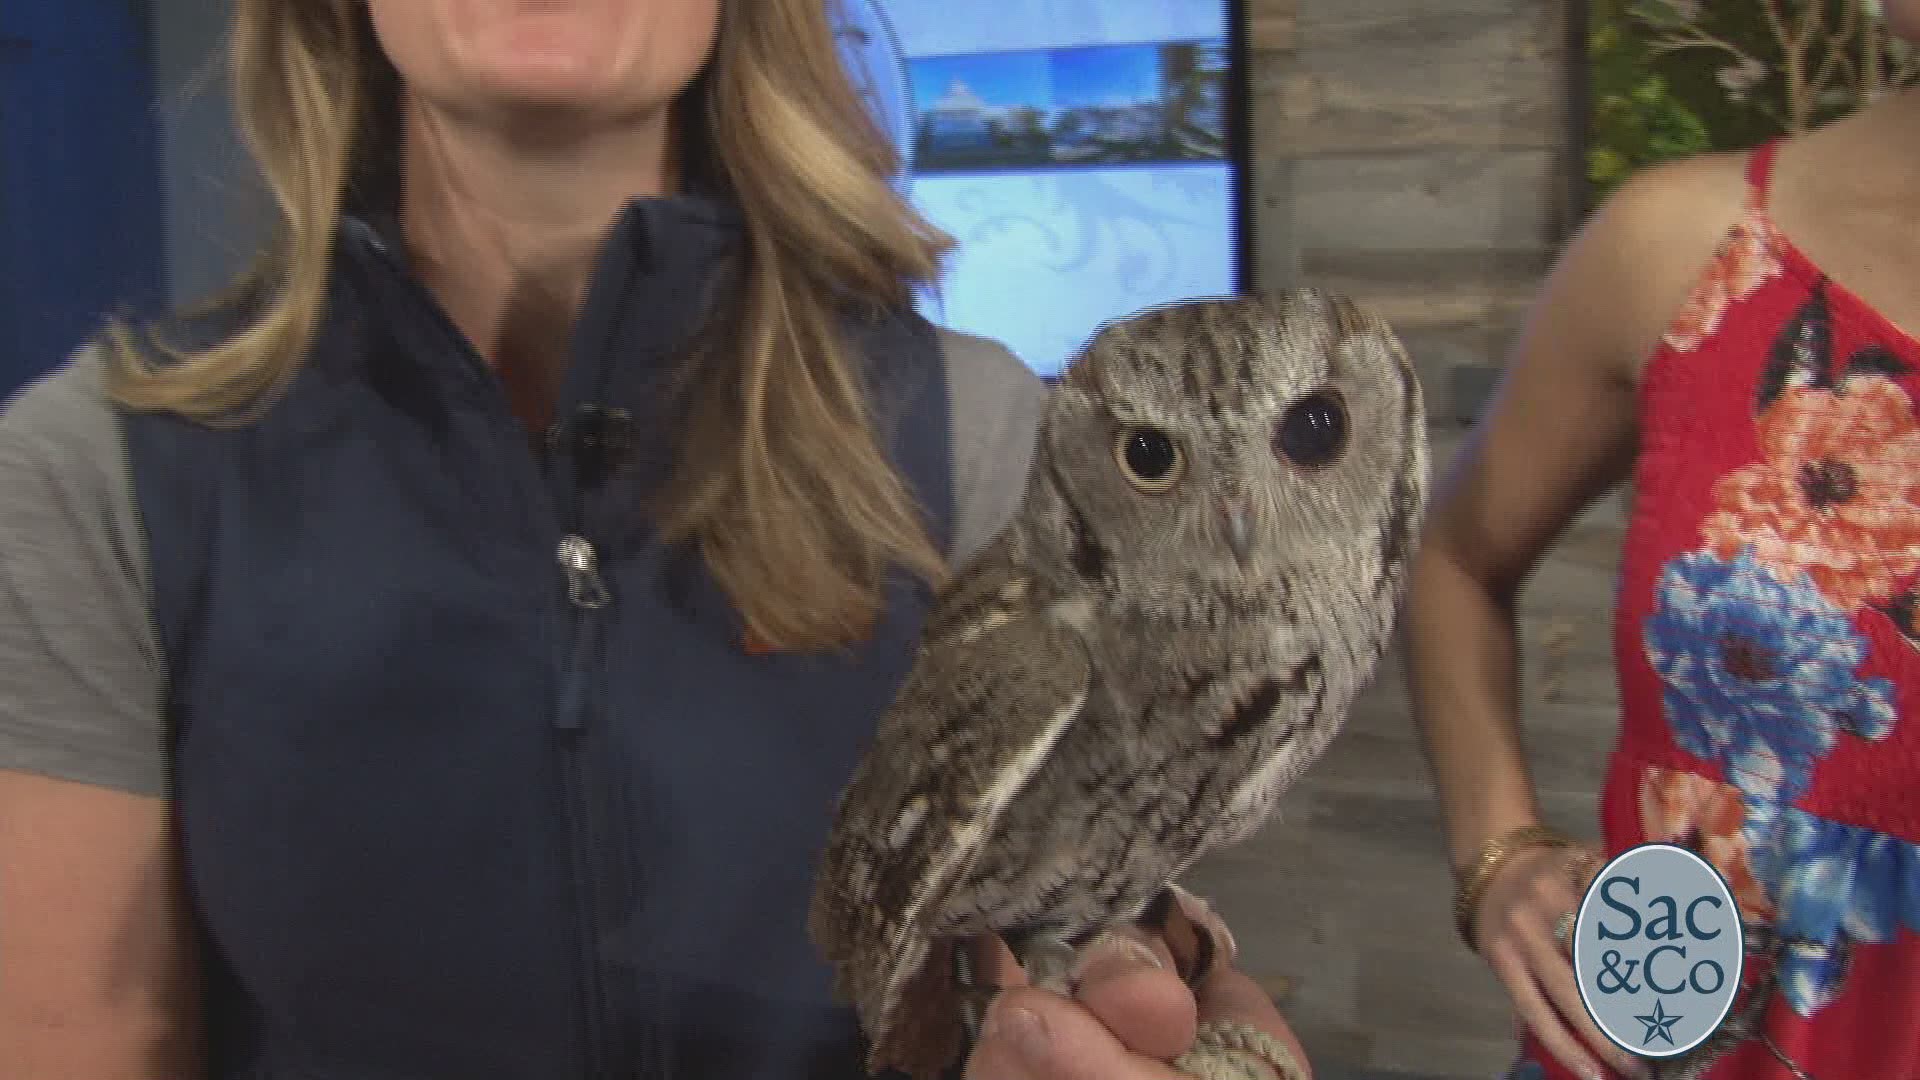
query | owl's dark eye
(1149,457)
(1313,433)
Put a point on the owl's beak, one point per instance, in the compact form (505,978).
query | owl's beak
(1239,528)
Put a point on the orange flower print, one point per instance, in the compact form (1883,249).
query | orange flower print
(1837,494)
(1745,259)
(1694,812)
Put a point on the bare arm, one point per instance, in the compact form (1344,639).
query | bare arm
(1560,432)
(96,974)
(97,978)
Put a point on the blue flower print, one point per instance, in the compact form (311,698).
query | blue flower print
(1831,885)
(1526,1069)
(1759,673)
(1810,973)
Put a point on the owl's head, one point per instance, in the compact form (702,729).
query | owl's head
(1241,439)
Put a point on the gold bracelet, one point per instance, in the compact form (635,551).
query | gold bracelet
(1228,1050)
(1494,854)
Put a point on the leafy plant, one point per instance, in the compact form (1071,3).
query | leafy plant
(1672,78)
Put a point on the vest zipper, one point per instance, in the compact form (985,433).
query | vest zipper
(581,622)
(587,599)
(581,566)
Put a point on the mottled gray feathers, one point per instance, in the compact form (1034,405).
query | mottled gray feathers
(1203,573)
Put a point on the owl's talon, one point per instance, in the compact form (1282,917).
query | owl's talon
(1158,910)
(974,1003)
(1050,963)
(1192,945)
(973,995)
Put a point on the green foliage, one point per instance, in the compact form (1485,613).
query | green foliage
(1669,79)
(1638,122)
(1646,107)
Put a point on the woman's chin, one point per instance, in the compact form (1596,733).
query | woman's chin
(557,82)
(566,63)
(546,106)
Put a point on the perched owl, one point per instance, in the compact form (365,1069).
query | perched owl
(1205,570)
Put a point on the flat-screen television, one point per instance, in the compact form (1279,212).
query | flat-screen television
(1089,156)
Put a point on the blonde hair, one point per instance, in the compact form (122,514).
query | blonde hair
(781,482)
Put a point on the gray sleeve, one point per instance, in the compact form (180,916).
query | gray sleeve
(80,668)
(997,402)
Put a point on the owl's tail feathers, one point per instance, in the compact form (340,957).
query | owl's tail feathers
(920,1031)
(901,984)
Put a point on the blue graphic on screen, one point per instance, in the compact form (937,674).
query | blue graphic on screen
(1076,149)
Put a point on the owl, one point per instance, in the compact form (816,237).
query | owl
(1204,571)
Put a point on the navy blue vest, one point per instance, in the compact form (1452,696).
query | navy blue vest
(452,805)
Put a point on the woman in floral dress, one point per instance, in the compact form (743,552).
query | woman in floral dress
(1728,333)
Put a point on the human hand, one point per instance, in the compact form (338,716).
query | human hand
(1518,928)
(1131,1014)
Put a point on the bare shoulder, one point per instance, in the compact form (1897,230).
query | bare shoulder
(1642,253)
(1697,197)
(1564,425)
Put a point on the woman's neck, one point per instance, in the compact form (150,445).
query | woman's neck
(503,227)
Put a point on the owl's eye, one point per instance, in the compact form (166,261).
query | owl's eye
(1313,433)
(1149,457)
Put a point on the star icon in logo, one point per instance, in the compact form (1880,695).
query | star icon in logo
(1659,1024)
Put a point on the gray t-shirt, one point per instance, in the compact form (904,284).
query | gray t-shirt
(80,664)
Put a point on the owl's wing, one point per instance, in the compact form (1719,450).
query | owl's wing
(977,716)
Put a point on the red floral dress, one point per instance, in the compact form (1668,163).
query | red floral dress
(1768,652)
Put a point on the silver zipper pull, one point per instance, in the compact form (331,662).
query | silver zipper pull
(582,567)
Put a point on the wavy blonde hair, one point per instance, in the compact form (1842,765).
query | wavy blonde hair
(781,483)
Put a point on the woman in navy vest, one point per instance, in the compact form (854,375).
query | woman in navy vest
(438,658)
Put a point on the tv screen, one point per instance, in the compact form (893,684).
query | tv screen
(1087,155)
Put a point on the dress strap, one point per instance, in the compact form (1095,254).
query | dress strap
(1760,173)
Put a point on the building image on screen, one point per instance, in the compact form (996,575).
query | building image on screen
(1079,151)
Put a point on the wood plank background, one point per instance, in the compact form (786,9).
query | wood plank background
(1415,153)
